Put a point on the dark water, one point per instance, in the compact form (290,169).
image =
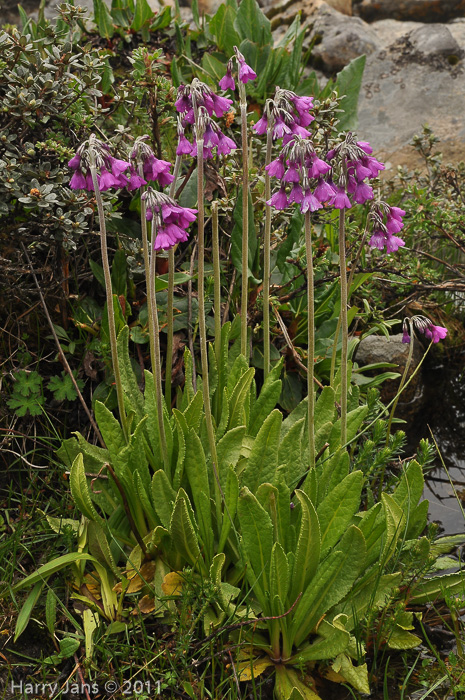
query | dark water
(444,415)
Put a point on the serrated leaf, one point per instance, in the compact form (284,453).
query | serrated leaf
(257,539)
(335,512)
(80,490)
(307,554)
(263,460)
(183,533)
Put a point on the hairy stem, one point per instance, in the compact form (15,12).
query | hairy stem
(311,340)
(245,220)
(217,307)
(344,326)
(154,330)
(170,309)
(109,295)
(266,258)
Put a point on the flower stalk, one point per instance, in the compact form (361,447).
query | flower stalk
(170,306)
(200,130)
(245,219)
(108,290)
(310,339)
(266,256)
(344,325)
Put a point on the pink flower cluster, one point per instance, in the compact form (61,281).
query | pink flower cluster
(115,173)
(288,114)
(425,326)
(356,164)
(387,222)
(170,221)
(197,101)
(296,166)
(245,72)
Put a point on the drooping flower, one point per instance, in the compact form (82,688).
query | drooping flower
(303,167)
(110,172)
(246,73)
(169,220)
(383,216)
(198,104)
(425,326)
(153,169)
(227,82)
(288,114)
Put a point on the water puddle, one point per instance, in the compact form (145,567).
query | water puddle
(444,414)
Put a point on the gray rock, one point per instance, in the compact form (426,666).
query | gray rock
(434,40)
(378,348)
(417,10)
(340,38)
(389,30)
(402,90)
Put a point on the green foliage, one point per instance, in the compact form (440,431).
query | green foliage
(63,387)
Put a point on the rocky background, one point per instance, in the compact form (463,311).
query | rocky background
(414,72)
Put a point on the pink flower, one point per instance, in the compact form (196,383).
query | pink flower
(279,199)
(340,199)
(276,168)
(435,333)
(310,202)
(227,81)
(245,72)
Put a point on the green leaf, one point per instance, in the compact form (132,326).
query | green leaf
(221,26)
(251,23)
(63,387)
(133,394)
(182,531)
(348,83)
(99,547)
(238,398)
(197,474)
(257,540)
(395,523)
(23,404)
(410,488)
(51,610)
(142,15)
(333,580)
(26,611)
(110,428)
(279,573)
(438,588)
(80,490)
(307,555)
(335,641)
(231,496)
(335,512)
(290,452)
(103,19)
(228,451)
(27,383)
(163,496)
(357,676)
(265,403)
(52,567)
(263,460)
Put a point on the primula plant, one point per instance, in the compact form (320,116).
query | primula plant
(217,487)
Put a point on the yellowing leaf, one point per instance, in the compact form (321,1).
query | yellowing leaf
(247,670)
(146,605)
(172,584)
(145,575)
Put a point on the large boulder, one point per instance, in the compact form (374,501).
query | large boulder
(417,10)
(339,38)
(418,78)
(377,348)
